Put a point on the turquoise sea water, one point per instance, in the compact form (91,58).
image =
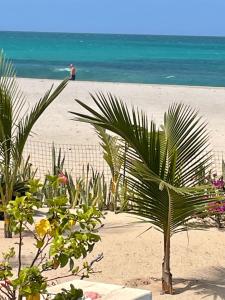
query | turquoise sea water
(123,58)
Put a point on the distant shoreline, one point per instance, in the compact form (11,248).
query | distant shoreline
(127,83)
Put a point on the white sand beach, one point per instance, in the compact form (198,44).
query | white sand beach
(198,258)
(56,125)
(134,259)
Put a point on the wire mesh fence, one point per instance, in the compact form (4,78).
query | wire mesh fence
(217,162)
(77,156)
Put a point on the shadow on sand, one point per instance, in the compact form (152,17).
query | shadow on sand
(213,287)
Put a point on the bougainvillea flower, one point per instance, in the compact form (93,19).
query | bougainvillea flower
(216,207)
(218,183)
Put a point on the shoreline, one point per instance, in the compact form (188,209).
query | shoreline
(129,83)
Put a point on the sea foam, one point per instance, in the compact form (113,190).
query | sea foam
(62,69)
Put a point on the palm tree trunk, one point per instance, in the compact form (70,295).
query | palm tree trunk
(167,286)
(7,229)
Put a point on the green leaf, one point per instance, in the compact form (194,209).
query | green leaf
(63,259)
(161,164)
(71,264)
(39,244)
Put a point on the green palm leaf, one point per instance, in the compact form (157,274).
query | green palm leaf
(161,163)
(26,124)
(16,124)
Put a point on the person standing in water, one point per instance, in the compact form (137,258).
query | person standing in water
(72,72)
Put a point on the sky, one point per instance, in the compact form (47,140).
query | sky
(166,17)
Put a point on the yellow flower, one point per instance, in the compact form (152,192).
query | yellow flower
(34,297)
(43,227)
(72,223)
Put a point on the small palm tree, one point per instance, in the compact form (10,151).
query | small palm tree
(161,164)
(112,150)
(16,124)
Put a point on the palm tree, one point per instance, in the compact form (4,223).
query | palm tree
(112,150)
(16,123)
(161,164)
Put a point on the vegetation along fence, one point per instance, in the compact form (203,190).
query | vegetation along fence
(77,156)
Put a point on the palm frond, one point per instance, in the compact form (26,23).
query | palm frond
(112,149)
(26,124)
(161,163)
(187,135)
(16,122)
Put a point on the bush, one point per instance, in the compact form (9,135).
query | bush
(60,237)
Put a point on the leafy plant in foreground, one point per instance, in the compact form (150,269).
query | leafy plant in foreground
(16,124)
(72,294)
(60,239)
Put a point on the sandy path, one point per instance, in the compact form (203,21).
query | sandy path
(198,264)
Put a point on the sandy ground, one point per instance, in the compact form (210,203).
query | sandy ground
(197,260)
(56,124)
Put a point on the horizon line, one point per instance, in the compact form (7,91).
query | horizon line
(107,33)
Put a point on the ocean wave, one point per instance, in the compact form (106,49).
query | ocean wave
(61,69)
(171,76)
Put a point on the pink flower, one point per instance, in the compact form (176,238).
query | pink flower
(218,183)
(216,207)
(62,178)
(92,295)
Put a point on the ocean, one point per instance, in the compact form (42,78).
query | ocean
(184,60)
